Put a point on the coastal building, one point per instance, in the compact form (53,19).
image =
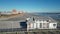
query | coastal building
(41,23)
(10,12)
(14,11)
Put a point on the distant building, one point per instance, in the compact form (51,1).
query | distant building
(6,13)
(0,13)
(41,23)
(15,11)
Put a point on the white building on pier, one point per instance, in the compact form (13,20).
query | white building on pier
(41,23)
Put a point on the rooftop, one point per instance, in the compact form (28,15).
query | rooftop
(41,18)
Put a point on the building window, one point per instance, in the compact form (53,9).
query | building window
(40,25)
(54,25)
(45,25)
(29,25)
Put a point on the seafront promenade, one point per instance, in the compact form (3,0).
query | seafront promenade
(13,25)
(20,17)
(10,16)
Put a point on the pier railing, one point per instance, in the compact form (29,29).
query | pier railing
(24,31)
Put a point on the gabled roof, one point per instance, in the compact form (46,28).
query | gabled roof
(41,18)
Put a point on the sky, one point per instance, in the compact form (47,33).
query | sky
(30,5)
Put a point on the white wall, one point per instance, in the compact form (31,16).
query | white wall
(37,25)
(51,26)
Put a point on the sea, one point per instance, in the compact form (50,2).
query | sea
(55,16)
